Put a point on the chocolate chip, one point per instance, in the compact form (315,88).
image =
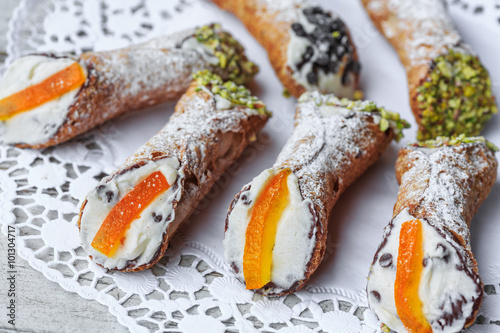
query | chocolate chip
(329,42)
(299,29)
(425,261)
(385,260)
(305,57)
(312,11)
(319,32)
(355,67)
(345,78)
(109,195)
(445,255)
(376,294)
(333,67)
(352,66)
(246,201)
(359,153)
(157,218)
(312,78)
(323,60)
(308,54)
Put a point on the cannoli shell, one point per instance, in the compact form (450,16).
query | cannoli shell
(468,171)
(273,33)
(416,49)
(206,141)
(326,154)
(127,79)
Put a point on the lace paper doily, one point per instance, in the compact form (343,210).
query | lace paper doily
(41,191)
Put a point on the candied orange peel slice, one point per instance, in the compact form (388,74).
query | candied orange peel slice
(408,276)
(51,88)
(261,231)
(113,229)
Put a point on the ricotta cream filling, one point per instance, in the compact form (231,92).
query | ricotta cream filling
(293,247)
(442,284)
(145,235)
(205,51)
(39,124)
(327,83)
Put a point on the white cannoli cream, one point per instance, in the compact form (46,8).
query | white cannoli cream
(294,241)
(145,235)
(447,290)
(206,52)
(39,124)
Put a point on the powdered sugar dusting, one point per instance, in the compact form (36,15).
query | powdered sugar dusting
(454,175)
(131,79)
(328,152)
(423,28)
(189,135)
(285,10)
(203,141)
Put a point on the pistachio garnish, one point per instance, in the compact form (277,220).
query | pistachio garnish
(455,98)
(229,51)
(229,90)
(388,119)
(443,141)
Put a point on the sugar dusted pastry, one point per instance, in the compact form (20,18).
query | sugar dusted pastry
(450,90)
(127,221)
(276,227)
(46,100)
(309,47)
(424,277)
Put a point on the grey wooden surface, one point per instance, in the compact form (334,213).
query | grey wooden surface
(43,306)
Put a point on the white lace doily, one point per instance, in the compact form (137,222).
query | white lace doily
(192,288)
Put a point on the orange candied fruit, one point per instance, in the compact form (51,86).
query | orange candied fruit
(51,88)
(113,229)
(408,276)
(261,232)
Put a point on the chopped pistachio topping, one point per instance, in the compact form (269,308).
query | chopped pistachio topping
(388,119)
(286,93)
(358,94)
(235,94)
(229,51)
(443,141)
(455,98)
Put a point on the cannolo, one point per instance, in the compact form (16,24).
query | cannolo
(46,99)
(276,227)
(309,48)
(127,220)
(424,277)
(450,90)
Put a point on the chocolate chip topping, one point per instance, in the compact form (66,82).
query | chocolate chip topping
(244,198)
(456,313)
(330,43)
(376,294)
(386,260)
(299,29)
(445,254)
(157,218)
(109,195)
(105,195)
